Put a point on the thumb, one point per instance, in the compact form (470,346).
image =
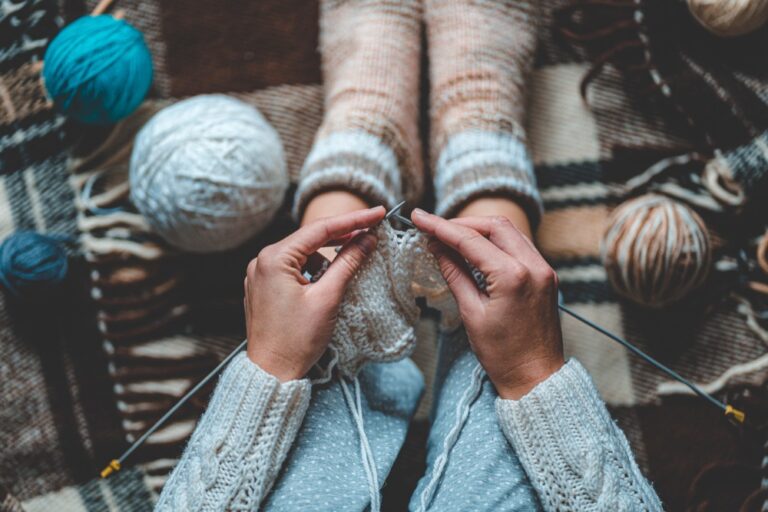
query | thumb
(346,264)
(456,274)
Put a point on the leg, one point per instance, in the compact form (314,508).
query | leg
(367,151)
(480,471)
(324,470)
(481,54)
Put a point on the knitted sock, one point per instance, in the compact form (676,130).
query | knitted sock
(481,53)
(368,143)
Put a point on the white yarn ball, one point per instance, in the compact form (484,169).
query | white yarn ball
(730,18)
(208,173)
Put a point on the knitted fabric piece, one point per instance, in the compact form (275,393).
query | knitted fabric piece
(481,53)
(572,451)
(368,142)
(378,315)
(237,449)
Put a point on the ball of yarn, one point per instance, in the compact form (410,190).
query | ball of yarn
(729,18)
(31,264)
(656,250)
(208,173)
(98,69)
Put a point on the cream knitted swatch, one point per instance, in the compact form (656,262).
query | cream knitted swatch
(481,54)
(368,142)
(378,315)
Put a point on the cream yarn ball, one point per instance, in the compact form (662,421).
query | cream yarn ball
(208,173)
(729,18)
(656,250)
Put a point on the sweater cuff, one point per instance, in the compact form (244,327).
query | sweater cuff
(476,163)
(356,161)
(573,453)
(237,449)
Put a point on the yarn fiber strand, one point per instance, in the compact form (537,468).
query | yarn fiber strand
(208,173)
(656,250)
(98,69)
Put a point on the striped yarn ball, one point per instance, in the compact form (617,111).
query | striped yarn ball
(208,173)
(656,250)
(730,18)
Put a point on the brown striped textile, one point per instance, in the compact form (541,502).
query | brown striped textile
(144,322)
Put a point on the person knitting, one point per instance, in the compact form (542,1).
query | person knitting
(514,426)
(270,440)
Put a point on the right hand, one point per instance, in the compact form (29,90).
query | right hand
(514,327)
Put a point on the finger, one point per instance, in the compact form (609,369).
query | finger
(335,280)
(504,235)
(470,244)
(456,275)
(313,236)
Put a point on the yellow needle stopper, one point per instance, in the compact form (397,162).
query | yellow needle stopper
(736,414)
(114,465)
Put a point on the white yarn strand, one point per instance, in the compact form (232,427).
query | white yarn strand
(462,413)
(366,454)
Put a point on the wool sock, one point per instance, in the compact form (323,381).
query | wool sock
(481,53)
(368,143)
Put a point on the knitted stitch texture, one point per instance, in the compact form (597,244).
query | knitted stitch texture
(240,443)
(572,451)
(368,142)
(377,317)
(481,54)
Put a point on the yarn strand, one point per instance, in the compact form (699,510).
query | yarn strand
(369,464)
(462,413)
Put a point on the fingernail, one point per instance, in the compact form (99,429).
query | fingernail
(367,242)
(418,212)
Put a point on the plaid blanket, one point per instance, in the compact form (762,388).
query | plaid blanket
(157,320)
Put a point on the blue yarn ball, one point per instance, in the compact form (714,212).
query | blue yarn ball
(30,264)
(98,69)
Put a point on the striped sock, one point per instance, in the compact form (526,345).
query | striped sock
(481,53)
(368,143)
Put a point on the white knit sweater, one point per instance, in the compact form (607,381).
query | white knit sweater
(573,453)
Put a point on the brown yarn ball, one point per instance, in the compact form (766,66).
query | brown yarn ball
(729,18)
(656,250)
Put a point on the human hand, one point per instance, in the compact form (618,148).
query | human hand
(514,327)
(289,321)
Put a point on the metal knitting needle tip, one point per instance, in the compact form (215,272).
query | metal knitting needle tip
(394,210)
(405,221)
(394,213)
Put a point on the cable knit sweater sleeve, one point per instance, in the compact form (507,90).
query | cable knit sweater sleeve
(572,451)
(240,443)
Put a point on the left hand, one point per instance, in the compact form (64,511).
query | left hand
(288,320)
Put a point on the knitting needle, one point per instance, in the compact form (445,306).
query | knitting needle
(116,464)
(728,410)
(395,213)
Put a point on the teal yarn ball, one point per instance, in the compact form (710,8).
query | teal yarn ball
(31,265)
(98,69)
